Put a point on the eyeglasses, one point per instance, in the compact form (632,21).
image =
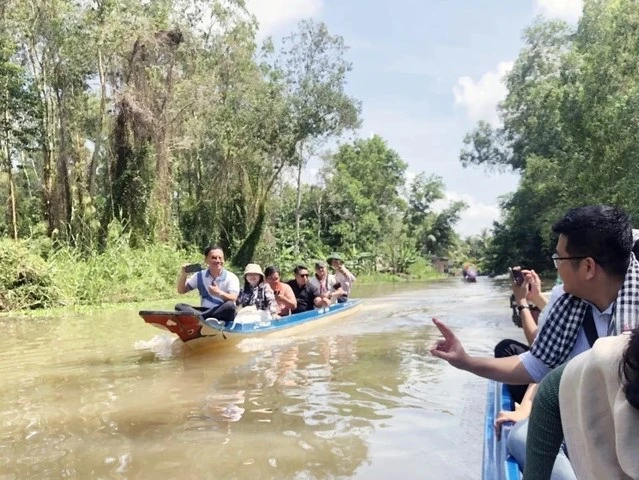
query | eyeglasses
(556,259)
(303,274)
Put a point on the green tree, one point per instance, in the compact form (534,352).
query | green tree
(19,117)
(314,69)
(364,180)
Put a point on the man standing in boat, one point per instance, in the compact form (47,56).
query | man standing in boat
(218,288)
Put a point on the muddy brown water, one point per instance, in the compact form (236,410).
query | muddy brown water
(106,396)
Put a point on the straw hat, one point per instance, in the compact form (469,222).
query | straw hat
(253,268)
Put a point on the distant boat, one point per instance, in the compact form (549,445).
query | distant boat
(469,273)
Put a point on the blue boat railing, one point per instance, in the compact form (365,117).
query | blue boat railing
(285,322)
(498,464)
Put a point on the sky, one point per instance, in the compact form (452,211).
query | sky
(426,71)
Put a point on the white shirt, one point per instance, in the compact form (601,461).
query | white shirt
(227,281)
(324,286)
(345,280)
(536,368)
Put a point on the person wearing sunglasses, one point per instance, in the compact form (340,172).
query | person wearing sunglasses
(307,295)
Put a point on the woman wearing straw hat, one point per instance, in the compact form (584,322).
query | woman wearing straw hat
(256,292)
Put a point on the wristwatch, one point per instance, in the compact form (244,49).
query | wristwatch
(521,307)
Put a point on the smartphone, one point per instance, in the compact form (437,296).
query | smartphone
(516,276)
(192,268)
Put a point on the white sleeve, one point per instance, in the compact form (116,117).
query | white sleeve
(191,282)
(234,284)
(535,367)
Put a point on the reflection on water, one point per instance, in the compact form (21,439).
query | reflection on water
(105,396)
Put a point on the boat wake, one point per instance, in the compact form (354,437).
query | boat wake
(163,346)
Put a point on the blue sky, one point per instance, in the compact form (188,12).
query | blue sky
(426,72)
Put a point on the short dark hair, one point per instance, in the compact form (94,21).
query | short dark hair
(270,270)
(297,269)
(601,232)
(208,249)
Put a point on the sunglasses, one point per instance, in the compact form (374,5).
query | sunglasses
(303,274)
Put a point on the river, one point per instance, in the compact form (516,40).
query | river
(106,396)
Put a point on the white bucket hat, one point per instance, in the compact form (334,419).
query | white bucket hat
(253,268)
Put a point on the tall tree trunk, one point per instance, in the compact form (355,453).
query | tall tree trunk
(62,184)
(163,174)
(246,251)
(12,193)
(99,137)
(40,73)
(7,156)
(298,204)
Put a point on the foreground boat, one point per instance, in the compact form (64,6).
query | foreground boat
(498,464)
(196,332)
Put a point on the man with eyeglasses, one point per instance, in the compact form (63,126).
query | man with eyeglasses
(307,295)
(599,297)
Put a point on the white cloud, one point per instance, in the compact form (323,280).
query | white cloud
(480,98)
(475,218)
(275,15)
(568,10)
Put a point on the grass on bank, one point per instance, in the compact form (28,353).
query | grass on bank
(37,279)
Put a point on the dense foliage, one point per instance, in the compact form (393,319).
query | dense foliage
(569,127)
(165,121)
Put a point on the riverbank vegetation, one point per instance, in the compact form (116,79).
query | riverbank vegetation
(134,133)
(568,126)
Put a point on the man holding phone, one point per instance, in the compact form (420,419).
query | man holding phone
(599,297)
(218,288)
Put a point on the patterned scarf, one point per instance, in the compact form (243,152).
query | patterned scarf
(557,337)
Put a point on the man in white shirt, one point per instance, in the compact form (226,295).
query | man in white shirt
(601,294)
(218,287)
(593,259)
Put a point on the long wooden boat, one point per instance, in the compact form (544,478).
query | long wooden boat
(196,332)
(498,464)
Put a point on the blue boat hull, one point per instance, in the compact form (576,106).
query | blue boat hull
(196,332)
(250,329)
(498,464)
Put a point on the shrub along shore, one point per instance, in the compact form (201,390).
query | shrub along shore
(35,276)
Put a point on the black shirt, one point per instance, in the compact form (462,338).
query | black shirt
(304,295)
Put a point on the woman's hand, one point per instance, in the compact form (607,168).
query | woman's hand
(509,416)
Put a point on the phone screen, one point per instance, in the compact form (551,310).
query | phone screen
(192,268)
(516,276)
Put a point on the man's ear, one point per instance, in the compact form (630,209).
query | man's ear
(591,267)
